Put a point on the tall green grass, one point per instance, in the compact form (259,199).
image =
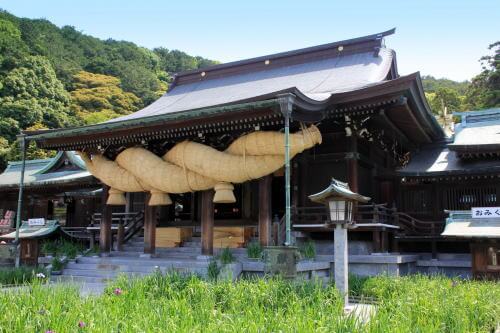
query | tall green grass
(433,304)
(20,275)
(173,303)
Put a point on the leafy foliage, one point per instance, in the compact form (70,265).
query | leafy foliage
(254,250)
(226,256)
(53,77)
(431,84)
(98,97)
(484,90)
(58,264)
(308,250)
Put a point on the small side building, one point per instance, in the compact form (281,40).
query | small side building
(58,188)
(444,181)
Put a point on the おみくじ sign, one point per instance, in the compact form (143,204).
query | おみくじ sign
(485,212)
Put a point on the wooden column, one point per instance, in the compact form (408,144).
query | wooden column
(207,223)
(303,159)
(265,218)
(150,217)
(120,235)
(352,165)
(246,202)
(105,225)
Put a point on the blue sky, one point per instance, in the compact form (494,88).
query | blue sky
(441,37)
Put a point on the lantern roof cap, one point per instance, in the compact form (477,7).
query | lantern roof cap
(337,189)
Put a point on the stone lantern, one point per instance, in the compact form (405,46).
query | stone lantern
(340,201)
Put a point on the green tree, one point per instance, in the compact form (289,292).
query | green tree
(97,98)
(40,63)
(9,128)
(431,84)
(484,90)
(32,93)
(11,45)
(444,98)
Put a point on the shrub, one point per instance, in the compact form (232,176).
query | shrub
(308,250)
(49,248)
(213,270)
(254,250)
(226,256)
(58,264)
(93,251)
(62,247)
(70,249)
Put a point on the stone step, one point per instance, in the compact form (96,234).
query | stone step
(134,267)
(135,261)
(158,255)
(163,249)
(82,282)
(101,273)
(79,279)
(170,250)
(82,275)
(192,244)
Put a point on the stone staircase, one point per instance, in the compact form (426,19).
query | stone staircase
(96,271)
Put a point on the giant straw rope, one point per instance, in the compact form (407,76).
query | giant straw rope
(191,166)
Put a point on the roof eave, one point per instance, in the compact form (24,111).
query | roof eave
(145,121)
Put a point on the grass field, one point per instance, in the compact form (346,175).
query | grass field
(174,304)
(21,275)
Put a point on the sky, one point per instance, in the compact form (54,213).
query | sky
(442,38)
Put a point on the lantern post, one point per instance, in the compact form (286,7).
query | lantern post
(340,201)
(22,146)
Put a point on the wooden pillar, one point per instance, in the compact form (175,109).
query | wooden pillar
(384,241)
(295,185)
(265,210)
(120,236)
(376,241)
(352,165)
(207,223)
(150,218)
(127,205)
(246,202)
(105,225)
(434,249)
(303,190)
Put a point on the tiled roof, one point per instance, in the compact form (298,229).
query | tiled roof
(316,72)
(38,172)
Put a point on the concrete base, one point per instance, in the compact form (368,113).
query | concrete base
(450,268)
(231,271)
(354,247)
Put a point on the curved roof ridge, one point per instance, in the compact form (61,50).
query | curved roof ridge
(373,37)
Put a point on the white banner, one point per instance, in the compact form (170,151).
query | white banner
(38,221)
(485,212)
